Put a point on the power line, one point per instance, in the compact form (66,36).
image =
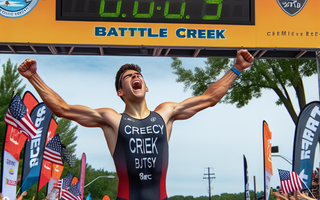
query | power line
(209,176)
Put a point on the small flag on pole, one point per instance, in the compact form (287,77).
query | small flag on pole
(71,194)
(18,117)
(290,181)
(52,152)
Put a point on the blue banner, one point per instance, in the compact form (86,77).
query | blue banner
(41,117)
(305,141)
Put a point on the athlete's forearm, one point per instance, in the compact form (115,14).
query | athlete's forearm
(218,89)
(54,102)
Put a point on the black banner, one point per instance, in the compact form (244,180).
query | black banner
(246,180)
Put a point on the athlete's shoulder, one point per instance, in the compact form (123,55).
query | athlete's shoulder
(109,114)
(166,110)
(166,106)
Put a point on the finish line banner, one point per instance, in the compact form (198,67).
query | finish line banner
(187,23)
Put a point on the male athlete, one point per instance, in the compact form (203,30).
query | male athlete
(137,138)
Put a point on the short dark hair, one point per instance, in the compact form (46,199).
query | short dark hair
(121,71)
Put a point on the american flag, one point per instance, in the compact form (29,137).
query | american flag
(69,158)
(71,194)
(52,152)
(290,181)
(18,117)
(66,182)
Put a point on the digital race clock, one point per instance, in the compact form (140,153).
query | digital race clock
(158,11)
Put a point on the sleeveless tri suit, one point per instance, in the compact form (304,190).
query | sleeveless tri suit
(141,158)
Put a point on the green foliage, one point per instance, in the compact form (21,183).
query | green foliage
(9,81)
(272,74)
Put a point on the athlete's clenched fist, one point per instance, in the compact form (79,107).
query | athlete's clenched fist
(28,68)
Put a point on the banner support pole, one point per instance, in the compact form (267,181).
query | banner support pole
(318,70)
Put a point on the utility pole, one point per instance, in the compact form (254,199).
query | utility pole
(209,176)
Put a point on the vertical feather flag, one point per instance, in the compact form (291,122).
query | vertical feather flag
(17,116)
(41,115)
(290,181)
(246,179)
(267,144)
(306,139)
(47,167)
(82,174)
(14,142)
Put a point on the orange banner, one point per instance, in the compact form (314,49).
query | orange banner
(267,135)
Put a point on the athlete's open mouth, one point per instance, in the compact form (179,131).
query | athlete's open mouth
(136,85)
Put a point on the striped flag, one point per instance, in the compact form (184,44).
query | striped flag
(66,182)
(52,152)
(290,181)
(18,117)
(71,194)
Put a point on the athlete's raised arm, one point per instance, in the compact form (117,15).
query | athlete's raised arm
(187,108)
(81,114)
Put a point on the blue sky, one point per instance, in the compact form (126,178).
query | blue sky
(217,137)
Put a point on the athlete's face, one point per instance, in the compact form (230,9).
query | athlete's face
(132,84)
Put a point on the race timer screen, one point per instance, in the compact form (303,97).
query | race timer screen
(239,12)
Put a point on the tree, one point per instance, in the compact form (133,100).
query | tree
(275,74)
(9,81)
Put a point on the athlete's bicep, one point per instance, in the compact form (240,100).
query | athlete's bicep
(86,116)
(190,106)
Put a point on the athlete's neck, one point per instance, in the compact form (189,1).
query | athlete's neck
(137,110)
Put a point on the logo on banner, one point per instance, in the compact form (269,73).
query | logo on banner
(10,162)
(16,8)
(291,7)
(11,182)
(11,171)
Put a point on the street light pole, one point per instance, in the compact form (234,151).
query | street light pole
(98,178)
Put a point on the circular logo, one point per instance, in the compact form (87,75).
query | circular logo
(16,8)
(11,171)
(153,119)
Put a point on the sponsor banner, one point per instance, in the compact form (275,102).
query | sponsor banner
(306,139)
(267,144)
(246,180)
(14,140)
(10,173)
(41,117)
